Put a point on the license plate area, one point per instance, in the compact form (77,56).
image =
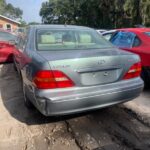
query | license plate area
(100,77)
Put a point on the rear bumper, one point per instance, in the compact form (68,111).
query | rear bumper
(68,101)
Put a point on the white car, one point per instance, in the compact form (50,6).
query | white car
(108,34)
(101,31)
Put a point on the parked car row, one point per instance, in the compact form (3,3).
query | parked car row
(71,69)
(136,40)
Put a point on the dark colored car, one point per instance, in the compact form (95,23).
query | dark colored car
(7,47)
(136,40)
(70,69)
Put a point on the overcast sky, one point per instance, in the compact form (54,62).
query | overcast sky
(30,9)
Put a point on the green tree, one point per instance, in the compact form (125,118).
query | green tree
(145,12)
(93,13)
(10,11)
(2,6)
(33,23)
(132,11)
(97,13)
(23,23)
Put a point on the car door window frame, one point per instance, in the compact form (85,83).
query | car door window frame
(136,37)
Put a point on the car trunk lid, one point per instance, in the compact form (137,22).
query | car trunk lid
(86,68)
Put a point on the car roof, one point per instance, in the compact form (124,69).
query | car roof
(139,30)
(109,31)
(60,27)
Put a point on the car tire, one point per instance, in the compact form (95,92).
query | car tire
(27,102)
(146,77)
(14,65)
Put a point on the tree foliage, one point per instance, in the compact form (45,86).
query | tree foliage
(33,23)
(97,13)
(9,10)
(145,12)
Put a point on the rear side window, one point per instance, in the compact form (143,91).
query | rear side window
(137,42)
(123,39)
(4,36)
(69,39)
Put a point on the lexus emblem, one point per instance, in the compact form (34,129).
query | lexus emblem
(106,74)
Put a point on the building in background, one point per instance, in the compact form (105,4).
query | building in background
(8,24)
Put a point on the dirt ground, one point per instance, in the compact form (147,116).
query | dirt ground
(122,127)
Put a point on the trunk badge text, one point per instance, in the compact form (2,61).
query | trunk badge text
(61,66)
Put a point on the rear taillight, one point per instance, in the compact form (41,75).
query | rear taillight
(52,79)
(134,71)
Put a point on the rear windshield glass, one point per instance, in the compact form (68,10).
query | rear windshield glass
(70,39)
(4,36)
(123,39)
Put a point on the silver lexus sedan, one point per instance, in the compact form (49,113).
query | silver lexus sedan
(70,69)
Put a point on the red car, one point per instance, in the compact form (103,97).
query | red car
(136,40)
(7,47)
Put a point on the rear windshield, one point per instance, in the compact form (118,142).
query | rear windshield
(4,36)
(123,39)
(70,39)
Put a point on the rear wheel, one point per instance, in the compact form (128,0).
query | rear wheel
(146,77)
(14,65)
(27,102)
